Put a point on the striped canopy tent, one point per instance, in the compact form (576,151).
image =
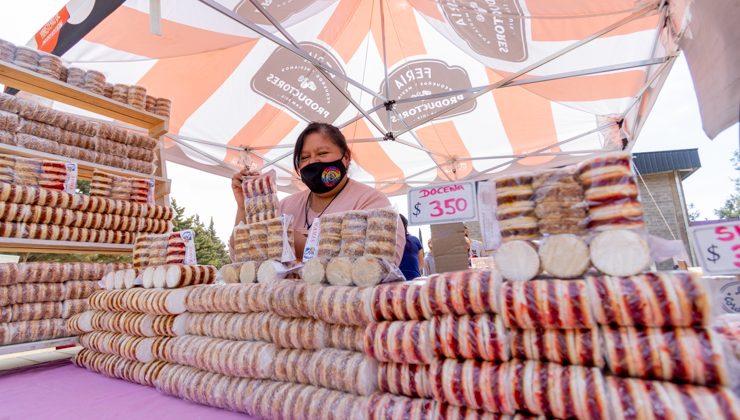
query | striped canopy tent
(426,91)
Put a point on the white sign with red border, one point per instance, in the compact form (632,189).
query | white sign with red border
(445,203)
(718,247)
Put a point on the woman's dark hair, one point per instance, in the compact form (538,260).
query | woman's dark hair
(405,222)
(328,130)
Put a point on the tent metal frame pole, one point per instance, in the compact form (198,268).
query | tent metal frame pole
(388,105)
(426,150)
(300,52)
(546,148)
(206,142)
(328,77)
(541,79)
(219,162)
(270,162)
(506,80)
(360,116)
(275,163)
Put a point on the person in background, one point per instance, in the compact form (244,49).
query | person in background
(429,265)
(468,244)
(476,247)
(413,254)
(322,158)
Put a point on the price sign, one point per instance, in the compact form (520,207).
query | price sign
(442,204)
(718,246)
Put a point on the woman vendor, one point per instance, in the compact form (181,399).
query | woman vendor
(321,157)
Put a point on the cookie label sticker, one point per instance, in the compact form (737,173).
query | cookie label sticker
(493,28)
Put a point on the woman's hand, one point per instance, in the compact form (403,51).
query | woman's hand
(236,184)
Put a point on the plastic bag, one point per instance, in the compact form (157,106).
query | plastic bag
(560,304)
(260,198)
(297,333)
(660,299)
(684,355)
(400,301)
(400,342)
(480,337)
(462,292)
(168,248)
(515,205)
(341,305)
(229,326)
(611,192)
(565,347)
(559,202)
(404,379)
(116,187)
(344,371)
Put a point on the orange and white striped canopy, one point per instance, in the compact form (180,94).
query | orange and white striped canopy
(426,91)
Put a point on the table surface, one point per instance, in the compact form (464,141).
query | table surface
(60,391)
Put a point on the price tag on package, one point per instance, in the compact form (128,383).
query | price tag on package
(718,247)
(442,204)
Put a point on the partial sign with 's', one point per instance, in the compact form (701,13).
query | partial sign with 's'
(718,247)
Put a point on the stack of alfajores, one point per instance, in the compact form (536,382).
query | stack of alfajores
(37,127)
(36,297)
(252,348)
(603,347)
(38,213)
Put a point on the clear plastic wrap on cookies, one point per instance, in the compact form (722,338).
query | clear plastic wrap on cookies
(50,175)
(638,398)
(343,305)
(684,355)
(122,188)
(36,330)
(297,333)
(560,304)
(260,197)
(566,347)
(344,371)
(559,202)
(406,379)
(482,337)
(400,342)
(653,299)
(611,191)
(515,207)
(161,249)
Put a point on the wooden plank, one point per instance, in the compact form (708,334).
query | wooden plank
(28,81)
(63,247)
(84,169)
(37,345)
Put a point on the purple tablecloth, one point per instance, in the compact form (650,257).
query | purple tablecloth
(61,391)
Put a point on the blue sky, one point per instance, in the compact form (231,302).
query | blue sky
(673,124)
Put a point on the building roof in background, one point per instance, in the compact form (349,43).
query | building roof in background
(685,161)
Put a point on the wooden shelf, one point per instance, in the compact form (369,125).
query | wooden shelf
(37,345)
(63,247)
(28,81)
(85,169)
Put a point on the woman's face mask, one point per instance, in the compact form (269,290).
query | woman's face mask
(322,177)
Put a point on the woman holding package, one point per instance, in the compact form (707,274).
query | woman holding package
(321,157)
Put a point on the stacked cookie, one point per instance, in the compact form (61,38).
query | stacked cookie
(355,248)
(46,174)
(91,80)
(260,198)
(260,250)
(33,126)
(26,58)
(559,202)
(611,193)
(36,298)
(515,208)
(115,187)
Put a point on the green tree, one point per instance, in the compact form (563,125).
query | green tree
(731,208)
(693,213)
(208,247)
